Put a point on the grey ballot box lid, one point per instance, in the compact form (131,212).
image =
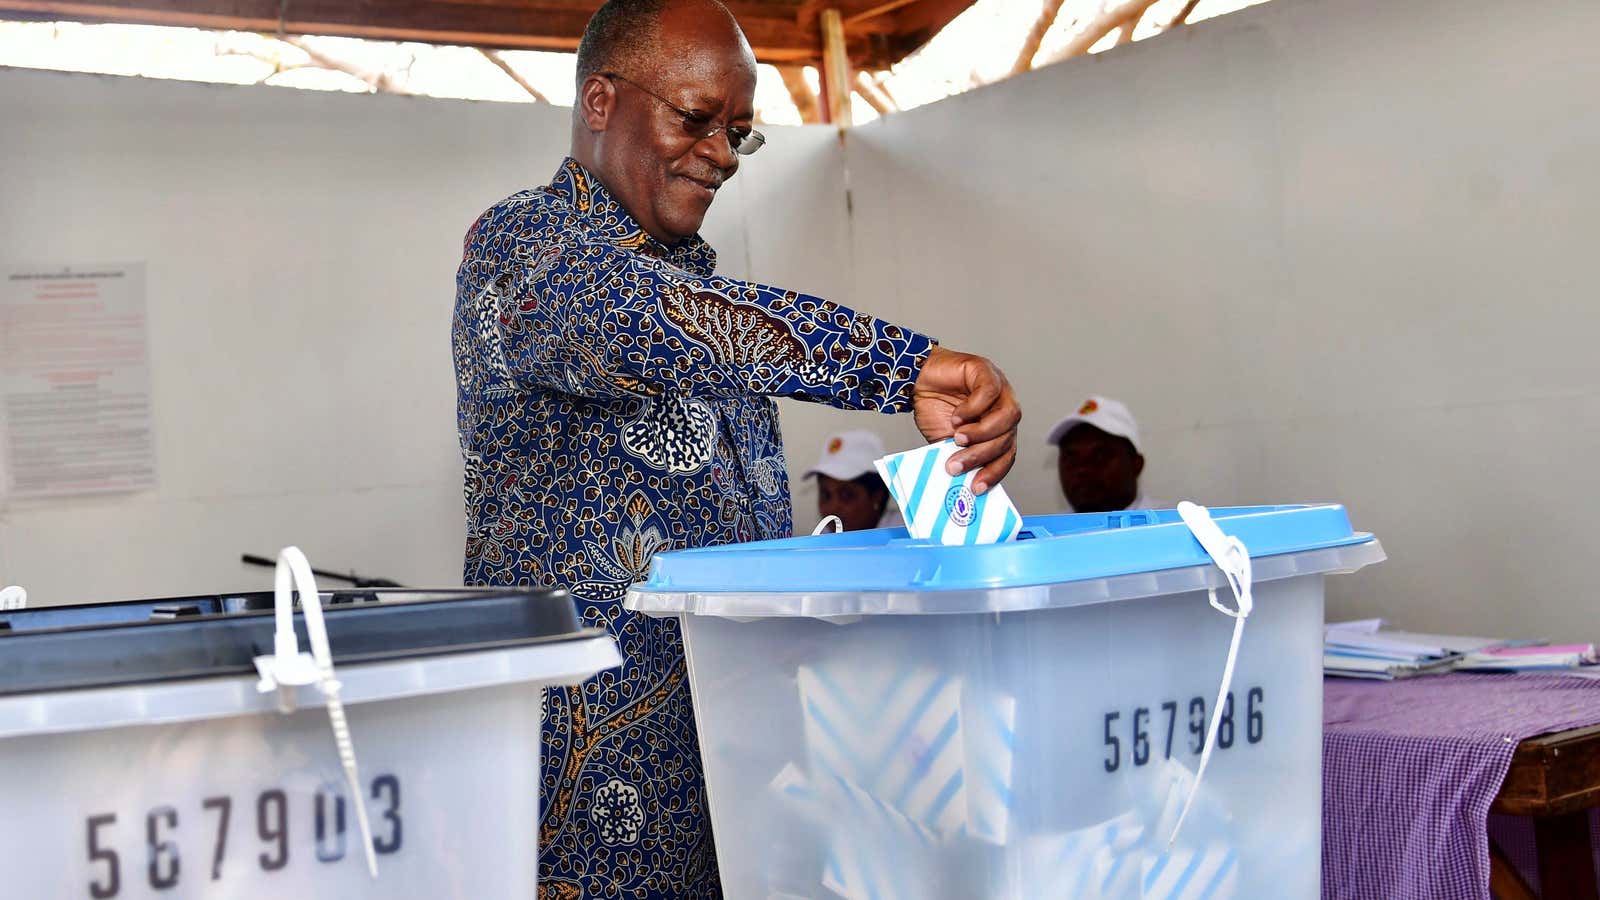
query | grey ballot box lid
(144,641)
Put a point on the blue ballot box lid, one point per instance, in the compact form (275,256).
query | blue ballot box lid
(884,571)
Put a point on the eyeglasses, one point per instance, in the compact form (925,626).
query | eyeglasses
(698,125)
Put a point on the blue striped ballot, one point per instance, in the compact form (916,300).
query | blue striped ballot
(793,785)
(1101,862)
(896,734)
(867,865)
(1204,873)
(1162,802)
(877,852)
(939,507)
(914,740)
(991,738)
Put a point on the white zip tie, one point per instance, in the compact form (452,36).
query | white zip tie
(288,668)
(838,525)
(1233,558)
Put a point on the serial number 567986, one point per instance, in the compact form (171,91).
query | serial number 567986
(1141,731)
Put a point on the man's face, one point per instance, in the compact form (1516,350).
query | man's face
(660,171)
(1099,472)
(856,506)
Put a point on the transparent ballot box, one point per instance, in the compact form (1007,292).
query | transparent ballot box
(885,718)
(141,756)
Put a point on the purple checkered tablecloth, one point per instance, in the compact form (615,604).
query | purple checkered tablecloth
(1411,767)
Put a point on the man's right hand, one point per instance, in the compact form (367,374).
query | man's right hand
(967,397)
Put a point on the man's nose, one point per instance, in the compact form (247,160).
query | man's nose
(719,153)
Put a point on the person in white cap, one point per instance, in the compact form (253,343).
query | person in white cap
(848,485)
(1099,461)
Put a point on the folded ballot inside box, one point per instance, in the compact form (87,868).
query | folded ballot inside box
(942,507)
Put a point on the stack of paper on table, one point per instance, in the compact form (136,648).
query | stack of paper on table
(1364,649)
(1529,659)
(1352,666)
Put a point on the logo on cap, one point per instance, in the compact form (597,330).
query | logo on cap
(1089,406)
(960,503)
(835,445)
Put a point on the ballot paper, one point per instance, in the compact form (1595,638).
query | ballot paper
(991,739)
(940,507)
(1190,873)
(1127,857)
(1100,862)
(866,865)
(896,734)
(909,767)
(936,751)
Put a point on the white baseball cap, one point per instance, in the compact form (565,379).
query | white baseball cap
(847,455)
(1104,413)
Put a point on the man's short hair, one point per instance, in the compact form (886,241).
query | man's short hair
(619,37)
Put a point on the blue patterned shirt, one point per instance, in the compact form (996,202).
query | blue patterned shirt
(614,401)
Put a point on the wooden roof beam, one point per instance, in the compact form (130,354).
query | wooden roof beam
(506,27)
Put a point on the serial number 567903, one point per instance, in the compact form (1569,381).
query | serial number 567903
(274,823)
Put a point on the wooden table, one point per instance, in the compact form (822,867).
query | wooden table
(1555,779)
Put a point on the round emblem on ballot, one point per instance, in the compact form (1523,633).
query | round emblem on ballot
(960,503)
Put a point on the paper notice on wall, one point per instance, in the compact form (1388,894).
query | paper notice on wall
(75,380)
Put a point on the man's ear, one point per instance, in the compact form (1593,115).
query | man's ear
(597,99)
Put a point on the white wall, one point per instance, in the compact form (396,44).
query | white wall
(1326,251)
(301,254)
